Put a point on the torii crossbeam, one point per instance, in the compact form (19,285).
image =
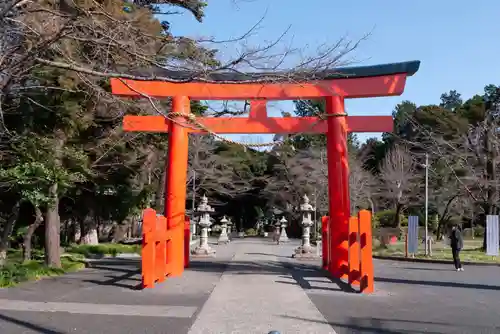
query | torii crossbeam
(334,86)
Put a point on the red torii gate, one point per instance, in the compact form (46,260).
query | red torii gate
(334,86)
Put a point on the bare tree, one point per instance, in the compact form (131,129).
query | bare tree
(76,46)
(294,174)
(360,184)
(306,172)
(446,195)
(467,151)
(398,178)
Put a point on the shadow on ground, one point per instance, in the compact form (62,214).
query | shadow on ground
(28,325)
(125,273)
(438,283)
(393,326)
(427,269)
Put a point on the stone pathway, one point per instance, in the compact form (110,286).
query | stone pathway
(250,297)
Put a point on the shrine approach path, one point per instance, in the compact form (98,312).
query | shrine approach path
(253,286)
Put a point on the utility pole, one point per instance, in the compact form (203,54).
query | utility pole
(193,208)
(426,204)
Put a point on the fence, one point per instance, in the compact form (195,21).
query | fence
(359,254)
(163,250)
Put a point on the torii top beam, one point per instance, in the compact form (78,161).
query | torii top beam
(349,82)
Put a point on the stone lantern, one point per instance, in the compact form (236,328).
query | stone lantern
(306,250)
(283,224)
(204,210)
(223,238)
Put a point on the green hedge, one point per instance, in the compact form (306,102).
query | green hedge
(104,249)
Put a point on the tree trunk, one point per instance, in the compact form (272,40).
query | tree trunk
(439,229)
(485,242)
(3,255)
(52,231)
(120,231)
(7,232)
(372,206)
(160,193)
(29,234)
(472,233)
(397,218)
(76,232)
(444,216)
(89,234)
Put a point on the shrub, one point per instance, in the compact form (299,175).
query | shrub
(478,232)
(251,232)
(376,244)
(434,222)
(385,218)
(103,249)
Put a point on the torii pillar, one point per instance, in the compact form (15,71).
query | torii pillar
(334,86)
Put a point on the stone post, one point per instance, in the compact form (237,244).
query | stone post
(204,210)
(306,250)
(229,229)
(223,238)
(283,237)
(193,226)
(276,233)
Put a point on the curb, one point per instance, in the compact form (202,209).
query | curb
(404,259)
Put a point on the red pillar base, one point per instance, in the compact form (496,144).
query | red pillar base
(338,186)
(187,245)
(325,242)
(177,165)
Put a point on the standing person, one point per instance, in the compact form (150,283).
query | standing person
(456,243)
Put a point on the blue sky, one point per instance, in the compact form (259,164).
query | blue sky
(457,41)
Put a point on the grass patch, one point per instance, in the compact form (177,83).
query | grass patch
(103,249)
(14,272)
(440,252)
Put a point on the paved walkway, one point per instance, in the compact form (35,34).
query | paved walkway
(250,298)
(238,292)
(254,286)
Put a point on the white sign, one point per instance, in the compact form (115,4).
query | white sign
(412,234)
(492,235)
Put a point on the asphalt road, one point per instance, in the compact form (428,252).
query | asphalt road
(415,298)
(409,297)
(95,295)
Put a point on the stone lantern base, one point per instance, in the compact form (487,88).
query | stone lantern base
(203,251)
(305,253)
(283,238)
(223,239)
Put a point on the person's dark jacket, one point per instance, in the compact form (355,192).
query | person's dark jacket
(456,240)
